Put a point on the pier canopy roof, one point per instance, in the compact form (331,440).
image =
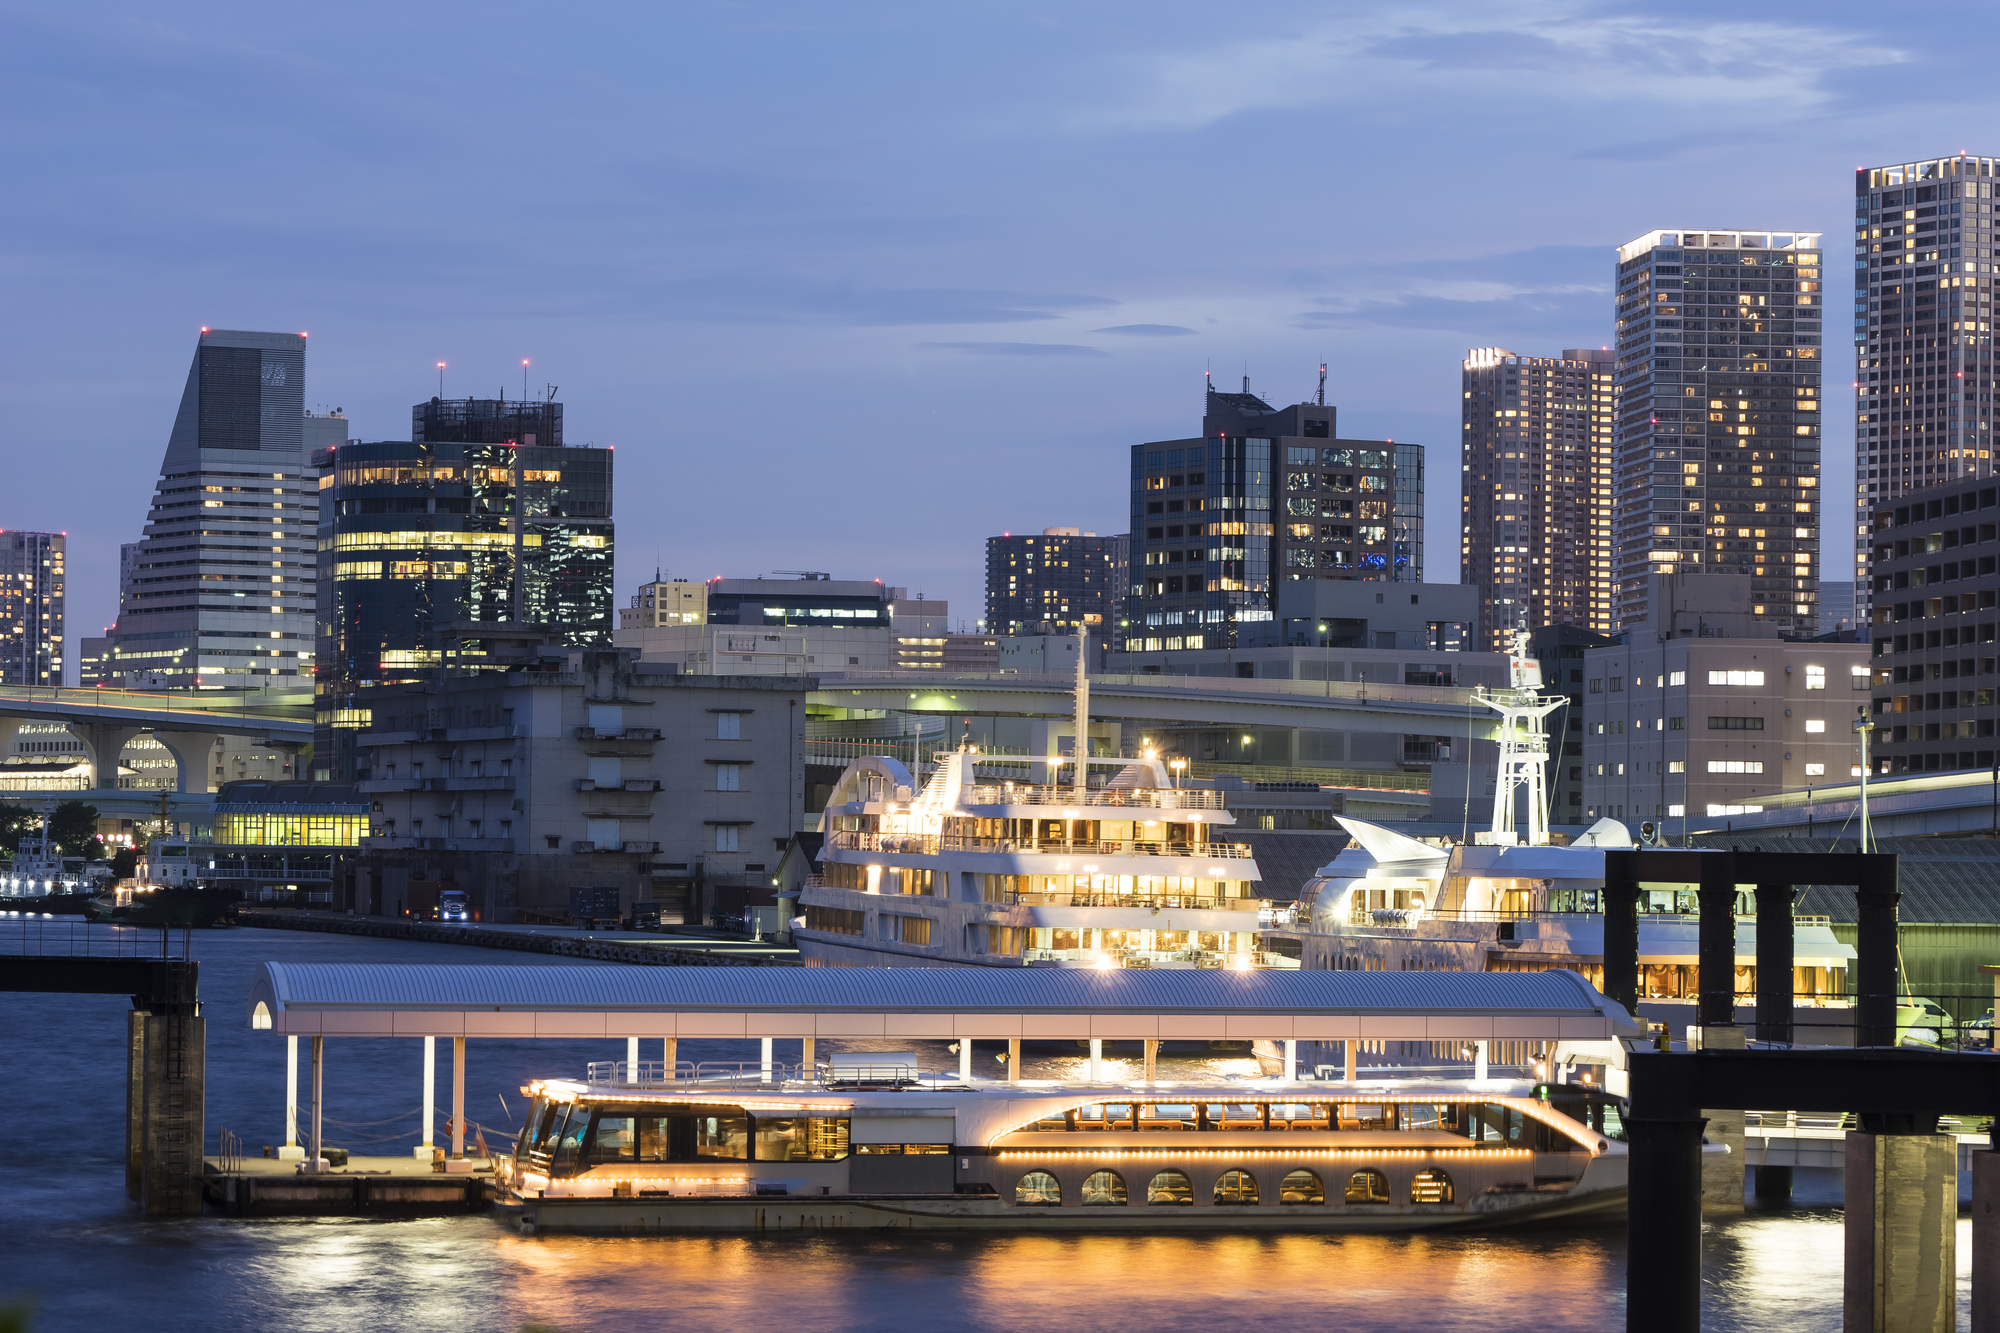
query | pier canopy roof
(415,1000)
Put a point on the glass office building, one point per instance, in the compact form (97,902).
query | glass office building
(1267,496)
(422,542)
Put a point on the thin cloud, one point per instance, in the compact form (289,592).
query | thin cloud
(1552,52)
(1016,349)
(1147,330)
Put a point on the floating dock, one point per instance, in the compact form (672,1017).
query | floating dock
(365,1187)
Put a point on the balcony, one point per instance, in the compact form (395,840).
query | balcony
(1147,798)
(629,784)
(929,844)
(627,734)
(583,846)
(1170,903)
(639,848)
(394,844)
(376,786)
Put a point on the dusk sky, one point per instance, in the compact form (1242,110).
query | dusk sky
(852,287)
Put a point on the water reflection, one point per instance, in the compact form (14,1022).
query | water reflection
(70,1238)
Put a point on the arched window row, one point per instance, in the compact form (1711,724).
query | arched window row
(1106,1189)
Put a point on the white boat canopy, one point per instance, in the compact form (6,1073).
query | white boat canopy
(444,1000)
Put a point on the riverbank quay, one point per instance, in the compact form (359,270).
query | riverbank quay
(649,950)
(387,1187)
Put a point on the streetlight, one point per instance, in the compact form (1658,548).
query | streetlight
(1862,726)
(1177,765)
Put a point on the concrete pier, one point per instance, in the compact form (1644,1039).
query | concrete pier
(1986,1242)
(1722,1176)
(365,1187)
(174,1056)
(1902,1251)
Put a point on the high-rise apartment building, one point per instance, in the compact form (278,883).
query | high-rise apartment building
(31,608)
(1718,434)
(1923,320)
(220,590)
(1535,503)
(423,542)
(1267,496)
(1059,578)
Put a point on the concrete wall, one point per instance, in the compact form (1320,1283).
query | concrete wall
(496,806)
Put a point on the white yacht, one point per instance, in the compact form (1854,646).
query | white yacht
(1509,902)
(996,873)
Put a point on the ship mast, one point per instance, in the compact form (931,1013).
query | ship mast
(1524,749)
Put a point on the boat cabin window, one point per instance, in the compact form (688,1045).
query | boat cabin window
(1367,1115)
(1233,1115)
(1301,1187)
(1488,1123)
(801,1139)
(1367,1187)
(1299,1116)
(1236,1187)
(567,1150)
(1059,1121)
(1430,1187)
(1038,1189)
(1168,1117)
(1170,1188)
(614,1138)
(1430,1116)
(1105,1115)
(1104,1189)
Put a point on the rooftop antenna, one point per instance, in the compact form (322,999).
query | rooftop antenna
(524,379)
(440,379)
(1524,751)
(1246,377)
(1319,400)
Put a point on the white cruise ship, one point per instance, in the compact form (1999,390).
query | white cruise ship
(1133,873)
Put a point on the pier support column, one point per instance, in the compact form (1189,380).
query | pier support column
(764,1057)
(291,1152)
(1291,1060)
(631,1059)
(135,1100)
(457,1099)
(1478,1062)
(1013,1059)
(175,1127)
(670,1053)
(1347,1059)
(1722,1177)
(1097,1059)
(313,1159)
(964,1061)
(1986,1241)
(1152,1059)
(808,1065)
(1902,1218)
(1663,1227)
(428,1148)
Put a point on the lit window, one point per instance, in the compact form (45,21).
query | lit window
(1736,678)
(1815,678)
(1815,725)
(1815,770)
(1736,766)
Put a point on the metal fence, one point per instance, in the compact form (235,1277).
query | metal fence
(32,936)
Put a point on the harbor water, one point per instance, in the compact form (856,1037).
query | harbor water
(72,1244)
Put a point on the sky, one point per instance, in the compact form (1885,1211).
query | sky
(853,287)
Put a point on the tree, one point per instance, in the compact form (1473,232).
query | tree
(125,862)
(16,820)
(74,828)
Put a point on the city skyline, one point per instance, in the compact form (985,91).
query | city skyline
(1057,284)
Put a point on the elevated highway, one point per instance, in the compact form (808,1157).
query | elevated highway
(1163,701)
(188,724)
(1911,806)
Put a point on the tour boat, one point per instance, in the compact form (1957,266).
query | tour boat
(820,1151)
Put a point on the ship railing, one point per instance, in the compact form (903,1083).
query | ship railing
(29,934)
(1148,798)
(1167,902)
(759,1075)
(929,844)
(1555,914)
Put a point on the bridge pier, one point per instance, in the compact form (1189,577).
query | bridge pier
(191,751)
(1986,1241)
(104,742)
(175,1127)
(1901,1272)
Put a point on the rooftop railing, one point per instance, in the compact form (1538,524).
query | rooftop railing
(1165,903)
(1150,798)
(929,844)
